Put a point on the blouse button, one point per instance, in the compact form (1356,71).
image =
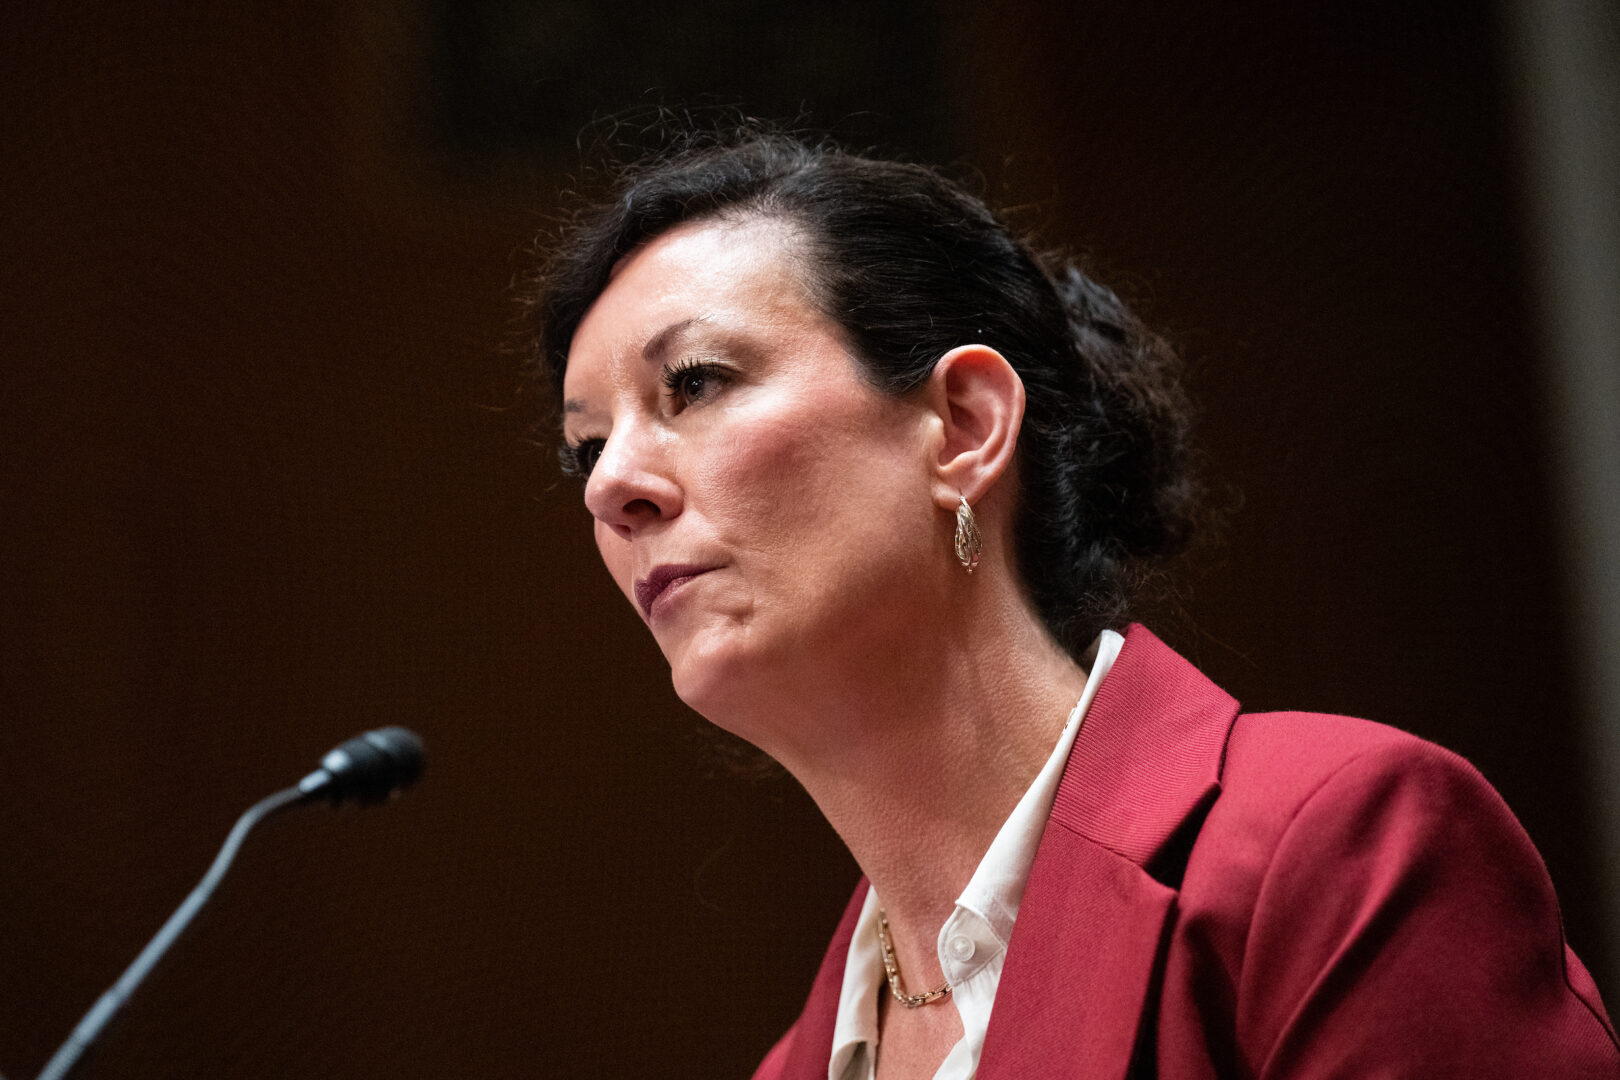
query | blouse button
(961,948)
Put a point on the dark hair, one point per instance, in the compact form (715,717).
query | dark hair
(911,266)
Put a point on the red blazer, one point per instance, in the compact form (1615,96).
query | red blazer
(1267,895)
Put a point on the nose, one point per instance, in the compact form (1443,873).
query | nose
(631,485)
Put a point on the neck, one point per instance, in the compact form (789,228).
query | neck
(918,764)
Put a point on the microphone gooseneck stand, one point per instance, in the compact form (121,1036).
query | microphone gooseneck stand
(367,769)
(107,1007)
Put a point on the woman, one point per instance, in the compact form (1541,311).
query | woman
(879,480)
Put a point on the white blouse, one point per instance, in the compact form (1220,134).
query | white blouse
(973,942)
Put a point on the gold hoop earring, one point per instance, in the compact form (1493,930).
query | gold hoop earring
(969,546)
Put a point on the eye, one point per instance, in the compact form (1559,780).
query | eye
(692,381)
(579,458)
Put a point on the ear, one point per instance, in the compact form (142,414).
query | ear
(979,401)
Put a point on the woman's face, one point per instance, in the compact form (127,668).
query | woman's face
(767,511)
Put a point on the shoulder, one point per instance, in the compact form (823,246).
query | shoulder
(1276,764)
(1347,820)
(1312,745)
(1345,789)
(1353,877)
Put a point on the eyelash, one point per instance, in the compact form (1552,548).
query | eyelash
(578,459)
(677,374)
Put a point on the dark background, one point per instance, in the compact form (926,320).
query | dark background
(257,490)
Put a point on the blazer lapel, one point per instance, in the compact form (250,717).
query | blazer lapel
(1072,1009)
(1085,951)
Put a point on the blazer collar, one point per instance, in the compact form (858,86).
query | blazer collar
(1149,753)
(1086,947)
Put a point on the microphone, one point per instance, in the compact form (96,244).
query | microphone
(367,769)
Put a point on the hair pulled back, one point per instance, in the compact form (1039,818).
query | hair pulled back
(911,266)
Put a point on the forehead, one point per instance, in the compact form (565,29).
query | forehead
(727,276)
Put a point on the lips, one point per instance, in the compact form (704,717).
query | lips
(661,580)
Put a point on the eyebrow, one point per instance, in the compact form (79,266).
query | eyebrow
(653,352)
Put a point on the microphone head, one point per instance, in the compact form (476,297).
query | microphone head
(369,767)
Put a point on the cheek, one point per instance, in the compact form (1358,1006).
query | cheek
(799,478)
(770,474)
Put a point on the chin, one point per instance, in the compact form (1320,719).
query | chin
(706,682)
(722,680)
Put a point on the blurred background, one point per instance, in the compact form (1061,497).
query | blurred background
(260,486)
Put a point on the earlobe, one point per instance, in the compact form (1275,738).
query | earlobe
(979,399)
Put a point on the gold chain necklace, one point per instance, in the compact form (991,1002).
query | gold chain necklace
(891,967)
